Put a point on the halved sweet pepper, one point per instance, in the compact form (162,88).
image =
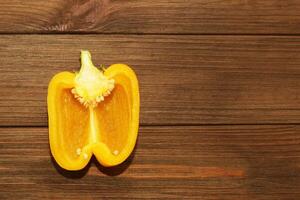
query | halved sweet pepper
(93,112)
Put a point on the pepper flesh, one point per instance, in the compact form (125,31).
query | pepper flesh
(97,115)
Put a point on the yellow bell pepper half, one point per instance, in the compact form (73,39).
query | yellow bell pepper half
(93,112)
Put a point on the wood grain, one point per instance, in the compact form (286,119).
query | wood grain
(220,101)
(145,16)
(203,162)
(183,79)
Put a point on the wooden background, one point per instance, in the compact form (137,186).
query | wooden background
(220,96)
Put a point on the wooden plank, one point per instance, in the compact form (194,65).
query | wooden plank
(183,79)
(207,162)
(145,16)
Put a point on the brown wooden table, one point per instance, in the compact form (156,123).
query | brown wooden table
(220,96)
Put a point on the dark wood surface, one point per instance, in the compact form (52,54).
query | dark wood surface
(220,97)
(183,79)
(147,16)
(207,162)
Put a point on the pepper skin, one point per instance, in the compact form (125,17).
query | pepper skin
(93,112)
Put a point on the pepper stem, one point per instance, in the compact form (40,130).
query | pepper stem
(86,62)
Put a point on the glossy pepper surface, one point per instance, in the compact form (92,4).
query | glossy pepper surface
(93,112)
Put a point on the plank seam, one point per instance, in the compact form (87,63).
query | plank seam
(154,34)
(177,125)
